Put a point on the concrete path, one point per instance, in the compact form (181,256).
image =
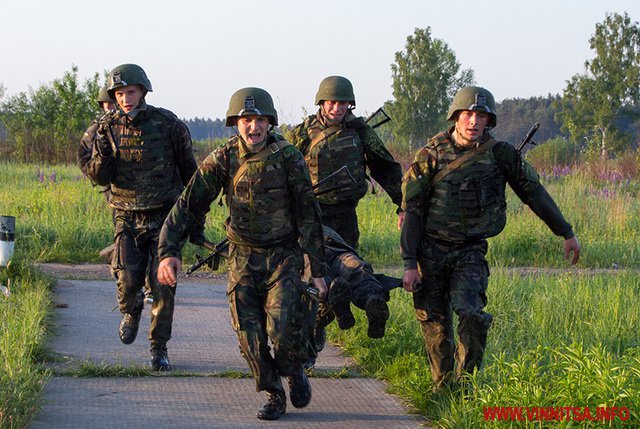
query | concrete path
(199,393)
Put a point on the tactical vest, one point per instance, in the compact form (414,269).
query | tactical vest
(469,203)
(260,211)
(343,147)
(146,175)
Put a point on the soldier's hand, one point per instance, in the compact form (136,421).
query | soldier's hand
(321,285)
(400,219)
(411,281)
(168,271)
(102,142)
(572,245)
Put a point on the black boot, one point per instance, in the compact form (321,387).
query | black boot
(275,407)
(159,357)
(299,389)
(340,302)
(129,327)
(377,315)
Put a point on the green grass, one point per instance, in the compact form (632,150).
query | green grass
(566,339)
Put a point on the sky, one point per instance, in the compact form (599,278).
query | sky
(197,53)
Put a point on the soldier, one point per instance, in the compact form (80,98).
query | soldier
(352,280)
(273,219)
(454,198)
(335,137)
(87,143)
(144,154)
(85,151)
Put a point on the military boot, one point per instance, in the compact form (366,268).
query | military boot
(129,326)
(377,314)
(275,407)
(340,302)
(299,389)
(159,357)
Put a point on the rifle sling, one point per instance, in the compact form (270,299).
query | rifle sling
(459,161)
(265,152)
(323,135)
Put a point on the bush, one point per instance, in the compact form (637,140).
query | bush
(553,152)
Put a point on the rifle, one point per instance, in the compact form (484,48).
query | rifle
(378,121)
(527,138)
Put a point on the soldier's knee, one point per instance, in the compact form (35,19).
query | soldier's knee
(474,323)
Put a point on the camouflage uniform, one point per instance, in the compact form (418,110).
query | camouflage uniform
(444,234)
(273,216)
(155,162)
(366,291)
(355,144)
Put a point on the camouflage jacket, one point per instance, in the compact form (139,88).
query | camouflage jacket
(383,168)
(499,165)
(156,160)
(272,203)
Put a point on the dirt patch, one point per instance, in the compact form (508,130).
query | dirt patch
(102,272)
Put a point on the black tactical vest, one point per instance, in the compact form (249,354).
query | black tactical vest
(147,176)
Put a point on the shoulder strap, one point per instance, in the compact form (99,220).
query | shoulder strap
(265,152)
(323,135)
(464,158)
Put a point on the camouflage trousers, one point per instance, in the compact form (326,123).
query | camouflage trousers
(135,260)
(343,220)
(359,274)
(453,278)
(267,305)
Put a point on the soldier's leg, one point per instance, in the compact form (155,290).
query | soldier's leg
(468,298)
(246,303)
(366,292)
(344,222)
(285,319)
(433,311)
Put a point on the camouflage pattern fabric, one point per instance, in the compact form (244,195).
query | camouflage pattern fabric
(156,160)
(265,298)
(273,218)
(135,261)
(444,234)
(357,146)
(85,152)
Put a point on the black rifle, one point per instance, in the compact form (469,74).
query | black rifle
(528,137)
(378,118)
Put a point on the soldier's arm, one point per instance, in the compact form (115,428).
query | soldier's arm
(85,149)
(185,159)
(384,169)
(525,182)
(194,203)
(306,212)
(416,185)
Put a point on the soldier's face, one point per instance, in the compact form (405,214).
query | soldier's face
(108,105)
(253,129)
(470,126)
(334,110)
(128,97)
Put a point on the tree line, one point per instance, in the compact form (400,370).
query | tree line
(598,111)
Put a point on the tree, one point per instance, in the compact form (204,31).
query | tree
(609,89)
(425,77)
(46,125)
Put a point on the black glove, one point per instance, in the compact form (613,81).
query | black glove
(103,145)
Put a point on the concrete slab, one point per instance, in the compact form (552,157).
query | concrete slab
(195,395)
(203,341)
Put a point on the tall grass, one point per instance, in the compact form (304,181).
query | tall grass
(23,325)
(559,340)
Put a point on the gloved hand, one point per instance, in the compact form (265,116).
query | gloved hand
(103,145)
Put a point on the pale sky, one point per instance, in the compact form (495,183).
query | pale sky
(197,53)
